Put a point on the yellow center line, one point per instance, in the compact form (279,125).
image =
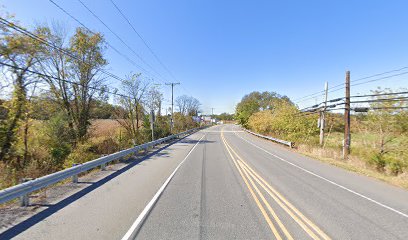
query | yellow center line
(279,199)
(285,231)
(293,208)
(297,220)
(265,215)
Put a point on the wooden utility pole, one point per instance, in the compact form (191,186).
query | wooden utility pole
(322,115)
(172,104)
(347,140)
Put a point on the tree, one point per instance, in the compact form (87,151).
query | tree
(389,122)
(22,53)
(284,121)
(154,99)
(225,117)
(131,115)
(187,105)
(255,102)
(78,81)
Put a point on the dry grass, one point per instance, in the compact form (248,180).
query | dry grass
(354,164)
(105,127)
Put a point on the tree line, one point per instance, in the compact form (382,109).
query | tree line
(51,94)
(379,136)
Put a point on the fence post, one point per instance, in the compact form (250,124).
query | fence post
(75,177)
(25,199)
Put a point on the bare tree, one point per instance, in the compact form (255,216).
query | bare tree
(154,99)
(129,117)
(187,105)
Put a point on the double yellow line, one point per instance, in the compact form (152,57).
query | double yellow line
(250,176)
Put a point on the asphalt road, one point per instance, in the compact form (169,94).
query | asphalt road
(223,183)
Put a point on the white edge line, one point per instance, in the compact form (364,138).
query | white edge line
(329,181)
(146,210)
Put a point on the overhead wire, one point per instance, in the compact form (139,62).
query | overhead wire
(143,40)
(107,43)
(342,86)
(378,94)
(39,39)
(121,40)
(63,80)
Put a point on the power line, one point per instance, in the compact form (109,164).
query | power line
(374,75)
(63,80)
(71,82)
(310,95)
(37,38)
(306,110)
(369,81)
(83,25)
(143,40)
(382,100)
(336,87)
(120,39)
(358,96)
(380,108)
(379,94)
(107,43)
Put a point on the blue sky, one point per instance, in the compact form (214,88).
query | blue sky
(222,50)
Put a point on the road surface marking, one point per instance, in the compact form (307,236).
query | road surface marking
(285,231)
(263,185)
(329,181)
(302,224)
(130,233)
(268,220)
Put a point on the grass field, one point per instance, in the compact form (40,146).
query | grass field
(364,146)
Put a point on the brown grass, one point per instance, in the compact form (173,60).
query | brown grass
(354,164)
(105,127)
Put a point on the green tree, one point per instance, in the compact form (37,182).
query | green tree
(79,82)
(22,53)
(389,121)
(284,121)
(255,102)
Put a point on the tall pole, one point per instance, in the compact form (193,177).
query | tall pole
(172,104)
(322,115)
(346,144)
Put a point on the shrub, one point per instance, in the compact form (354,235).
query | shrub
(378,161)
(395,167)
(284,121)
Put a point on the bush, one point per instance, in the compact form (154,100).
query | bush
(285,122)
(395,167)
(83,152)
(378,161)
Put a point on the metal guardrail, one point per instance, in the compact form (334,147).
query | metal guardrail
(22,190)
(287,143)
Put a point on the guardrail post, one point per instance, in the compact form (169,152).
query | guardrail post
(75,177)
(103,166)
(25,199)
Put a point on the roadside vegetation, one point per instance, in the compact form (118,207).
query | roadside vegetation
(379,138)
(57,107)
